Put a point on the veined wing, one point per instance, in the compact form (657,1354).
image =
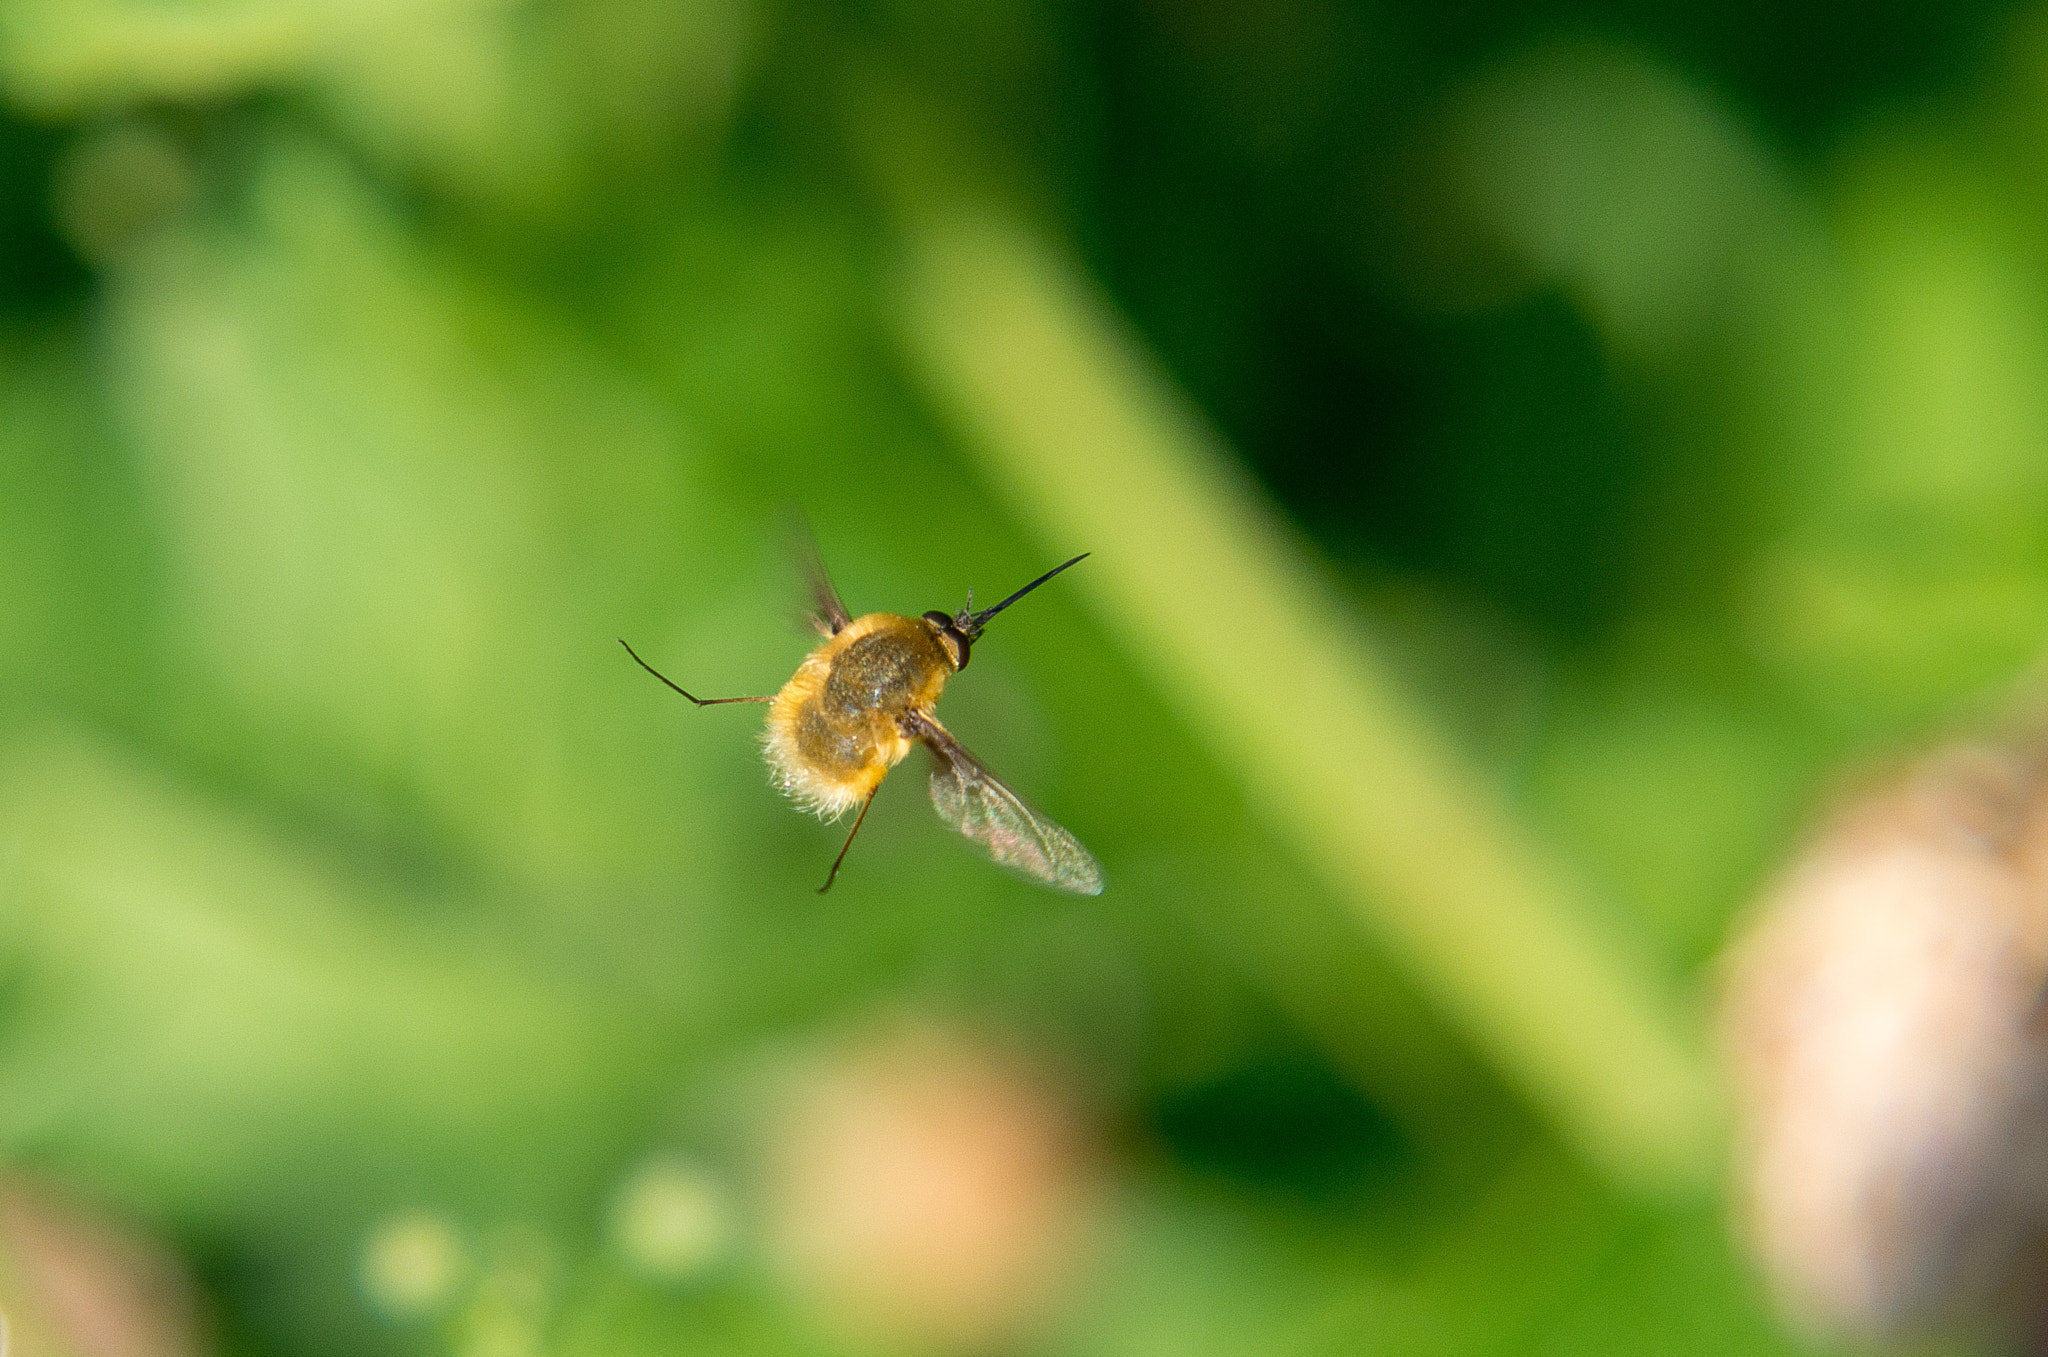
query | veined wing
(974,801)
(828,613)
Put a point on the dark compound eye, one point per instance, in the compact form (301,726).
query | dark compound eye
(951,637)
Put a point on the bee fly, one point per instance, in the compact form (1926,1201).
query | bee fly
(856,704)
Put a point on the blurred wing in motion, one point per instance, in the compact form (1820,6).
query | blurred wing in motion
(828,614)
(974,801)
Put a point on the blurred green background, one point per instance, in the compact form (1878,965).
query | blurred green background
(1529,451)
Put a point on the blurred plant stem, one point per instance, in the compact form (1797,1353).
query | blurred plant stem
(1079,430)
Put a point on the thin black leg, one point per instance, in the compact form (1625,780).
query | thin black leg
(700,701)
(833,875)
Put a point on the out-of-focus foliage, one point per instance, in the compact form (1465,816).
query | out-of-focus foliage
(1652,394)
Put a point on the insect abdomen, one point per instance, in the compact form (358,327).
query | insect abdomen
(831,746)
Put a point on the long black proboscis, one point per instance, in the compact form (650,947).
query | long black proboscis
(972,623)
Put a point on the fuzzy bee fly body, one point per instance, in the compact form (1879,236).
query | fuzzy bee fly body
(860,700)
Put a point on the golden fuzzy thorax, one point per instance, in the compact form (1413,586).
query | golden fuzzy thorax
(834,730)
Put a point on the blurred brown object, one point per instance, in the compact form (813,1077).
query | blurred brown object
(74,1284)
(1885,1032)
(926,1192)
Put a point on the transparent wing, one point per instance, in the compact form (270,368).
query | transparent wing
(974,801)
(828,614)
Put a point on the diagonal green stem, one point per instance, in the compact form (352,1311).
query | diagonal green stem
(1078,429)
